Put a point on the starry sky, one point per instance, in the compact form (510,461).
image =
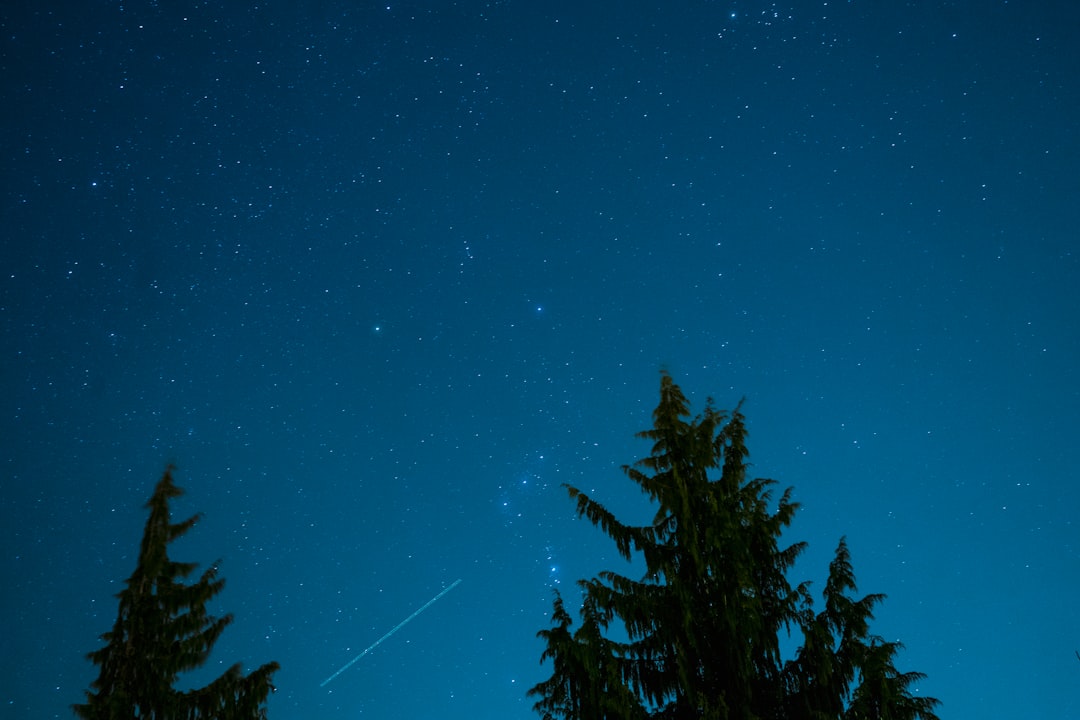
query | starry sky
(380,277)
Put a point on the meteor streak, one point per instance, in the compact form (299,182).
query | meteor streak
(393,630)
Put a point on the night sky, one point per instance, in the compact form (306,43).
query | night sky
(379,278)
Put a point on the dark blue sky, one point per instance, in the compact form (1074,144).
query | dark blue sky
(380,277)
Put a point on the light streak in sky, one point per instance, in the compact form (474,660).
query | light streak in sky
(393,630)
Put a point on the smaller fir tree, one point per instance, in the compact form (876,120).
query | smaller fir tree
(162,630)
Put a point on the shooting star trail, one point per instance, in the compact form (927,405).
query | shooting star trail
(393,630)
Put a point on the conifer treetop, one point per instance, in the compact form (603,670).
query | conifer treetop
(162,630)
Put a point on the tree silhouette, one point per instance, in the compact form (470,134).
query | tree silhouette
(587,679)
(162,630)
(703,624)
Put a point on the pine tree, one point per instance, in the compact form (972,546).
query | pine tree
(703,625)
(588,678)
(162,630)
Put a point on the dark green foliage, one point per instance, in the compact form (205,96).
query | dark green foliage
(703,625)
(163,630)
(588,678)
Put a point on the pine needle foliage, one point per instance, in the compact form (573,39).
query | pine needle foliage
(703,626)
(162,630)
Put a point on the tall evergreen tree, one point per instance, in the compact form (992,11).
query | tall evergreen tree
(162,630)
(703,624)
